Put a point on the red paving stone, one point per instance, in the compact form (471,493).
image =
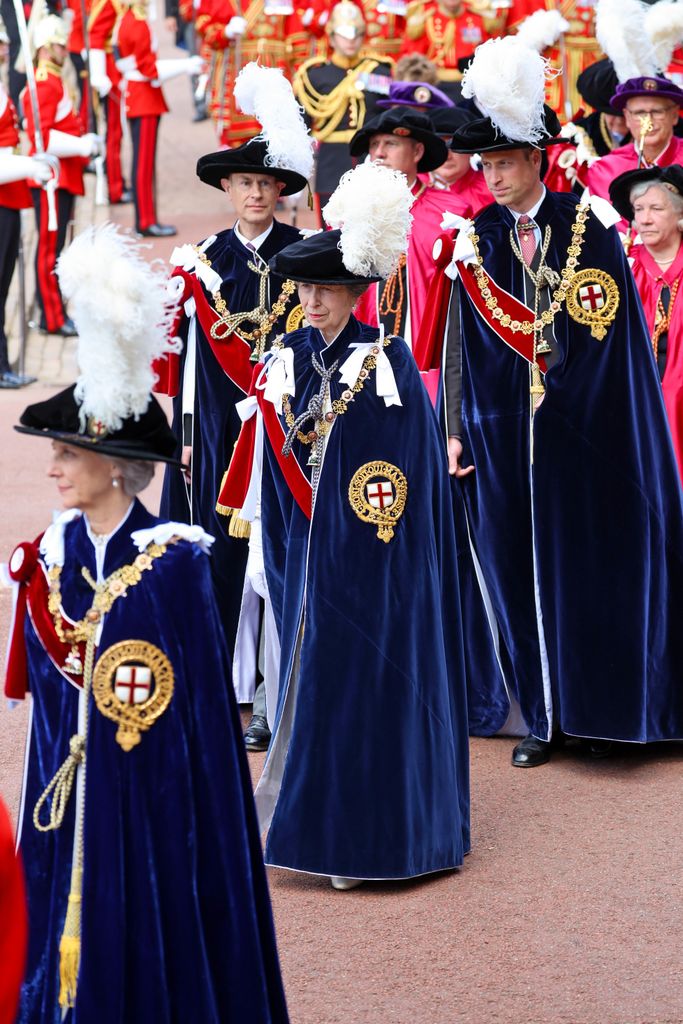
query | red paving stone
(569,909)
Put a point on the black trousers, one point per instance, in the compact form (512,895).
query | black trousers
(10,234)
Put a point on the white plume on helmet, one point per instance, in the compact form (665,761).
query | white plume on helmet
(542,29)
(371,206)
(664,27)
(620,30)
(122,309)
(507,81)
(265,93)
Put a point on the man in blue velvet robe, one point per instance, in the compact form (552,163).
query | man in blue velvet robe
(214,374)
(573,504)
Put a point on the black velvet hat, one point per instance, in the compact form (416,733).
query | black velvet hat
(447,120)
(481,136)
(620,188)
(249,159)
(597,84)
(148,438)
(408,124)
(316,260)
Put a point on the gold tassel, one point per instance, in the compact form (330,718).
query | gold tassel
(310,196)
(225,510)
(239,527)
(70,946)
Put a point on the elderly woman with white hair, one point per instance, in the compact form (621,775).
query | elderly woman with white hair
(146,889)
(652,201)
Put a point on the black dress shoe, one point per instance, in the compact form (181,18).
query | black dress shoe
(597,749)
(15,380)
(126,197)
(158,231)
(257,736)
(530,753)
(67,330)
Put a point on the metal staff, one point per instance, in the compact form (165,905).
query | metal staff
(645,128)
(51,185)
(98,161)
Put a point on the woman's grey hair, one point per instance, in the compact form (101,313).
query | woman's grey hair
(136,474)
(357,289)
(675,198)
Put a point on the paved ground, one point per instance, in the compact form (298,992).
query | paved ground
(569,909)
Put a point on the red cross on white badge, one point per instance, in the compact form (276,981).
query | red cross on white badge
(591,297)
(380,494)
(132,684)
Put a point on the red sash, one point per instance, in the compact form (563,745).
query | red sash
(32,599)
(231,352)
(522,344)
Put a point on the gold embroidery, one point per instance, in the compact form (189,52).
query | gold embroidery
(116,670)
(377,494)
(593,301)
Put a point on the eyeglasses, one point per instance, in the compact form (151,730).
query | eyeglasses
(655,115)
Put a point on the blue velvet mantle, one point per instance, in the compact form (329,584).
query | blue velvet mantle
(177,923)
(375,782)
(216,424)
(606,502)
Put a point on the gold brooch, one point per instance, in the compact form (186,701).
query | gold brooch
(132,685)
(377,494)
(295,319)
(593,300)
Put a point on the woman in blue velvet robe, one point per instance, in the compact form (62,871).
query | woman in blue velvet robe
(175,920)
(367,774)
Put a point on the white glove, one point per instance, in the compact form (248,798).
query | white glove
(256,571)
(17,168)
(42,170)
(235,27)
(177,66)
(99,79)
(63,145)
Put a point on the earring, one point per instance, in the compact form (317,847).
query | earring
(115,482)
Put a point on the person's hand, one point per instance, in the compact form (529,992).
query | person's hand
(454,457)
(93,144)
(186,460)
(171,25)
(42,169)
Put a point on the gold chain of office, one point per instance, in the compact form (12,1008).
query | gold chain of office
(559,295)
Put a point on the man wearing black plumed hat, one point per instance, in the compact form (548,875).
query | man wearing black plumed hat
(229,295)
(404,140)
(574,509)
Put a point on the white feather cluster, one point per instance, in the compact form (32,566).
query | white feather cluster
(542,29)
(265,93)
(664,26)
(120,305)
(620,30)
(507,82)
(371,206)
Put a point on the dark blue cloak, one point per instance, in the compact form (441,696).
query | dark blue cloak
(176,920)
(216,424)
(371,726)
(597,523)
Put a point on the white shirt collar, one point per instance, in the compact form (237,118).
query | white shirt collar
(531,214)
(256,242)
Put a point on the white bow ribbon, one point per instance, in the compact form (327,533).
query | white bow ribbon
(186,257)
(280,380)
(603,210)
(246,408)
(464,251)
(385,381)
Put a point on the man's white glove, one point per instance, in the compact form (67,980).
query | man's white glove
(62,145)
(99,79)
(235,27)
(256,570)
(178,66)
(17,168)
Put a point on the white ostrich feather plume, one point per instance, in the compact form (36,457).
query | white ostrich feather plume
(620,30)
(371,206)
(664,26)
(542,29)
(120,305)
(265,93)
(507,80)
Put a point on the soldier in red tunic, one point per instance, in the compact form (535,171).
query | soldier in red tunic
(105,79)
(62,133)
(143,75)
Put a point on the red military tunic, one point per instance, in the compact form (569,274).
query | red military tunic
(447,39)
(14,195)
(137,48)
(76,42)
(101,24)
(386,25)
(272,39)
(56,111)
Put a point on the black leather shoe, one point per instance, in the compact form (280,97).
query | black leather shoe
(257,736)
(9,380)
(530,753)
(158,231)
(67,330)
(597,749)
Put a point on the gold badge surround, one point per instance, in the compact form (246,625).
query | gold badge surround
(384,519)
(132,719)
(600,319)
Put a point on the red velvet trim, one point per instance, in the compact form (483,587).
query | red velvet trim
(428,345)
(233,492)
(295,477)
(522,344)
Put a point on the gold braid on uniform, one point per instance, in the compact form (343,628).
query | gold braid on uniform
(328,109)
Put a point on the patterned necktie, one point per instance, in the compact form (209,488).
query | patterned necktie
(527,238)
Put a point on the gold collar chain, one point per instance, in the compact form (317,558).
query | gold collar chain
(548,315)
(339,405)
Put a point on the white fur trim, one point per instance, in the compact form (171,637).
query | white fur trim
(162,533)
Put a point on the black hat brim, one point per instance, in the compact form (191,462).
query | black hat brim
(316,260)
(435,149)
(100,446)
(620,187)
(481,136)
(212,168)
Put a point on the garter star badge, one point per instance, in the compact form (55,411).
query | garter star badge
(132,685)
(377,494)
(593,300)
(295,319)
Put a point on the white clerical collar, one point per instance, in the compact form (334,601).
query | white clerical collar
(531,214)
(253,243)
